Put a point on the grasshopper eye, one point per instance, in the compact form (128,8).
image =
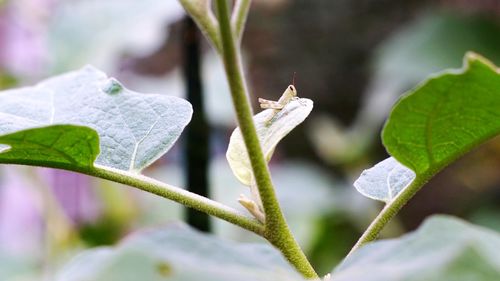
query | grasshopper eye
(292,89)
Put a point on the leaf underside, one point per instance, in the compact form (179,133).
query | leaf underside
(385,180)
(134,129)
(443,248)
(179,253)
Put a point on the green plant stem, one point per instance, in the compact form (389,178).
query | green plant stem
(201,13)
(276,229)
(239,17)
(179,195)
(388,212)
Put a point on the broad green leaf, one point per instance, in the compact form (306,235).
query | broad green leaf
(179,253)
(134,129)
(58,146)
(270,131)
(445,117)
(443,248)
(385,180)
(434,124)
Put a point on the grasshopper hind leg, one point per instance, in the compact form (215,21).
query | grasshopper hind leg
(266,104)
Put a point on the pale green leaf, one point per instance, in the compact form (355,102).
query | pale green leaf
(270,131)
(385,180)
(134,129)
(443,248)
(179,253)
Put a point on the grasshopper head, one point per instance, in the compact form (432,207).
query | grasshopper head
(291,91)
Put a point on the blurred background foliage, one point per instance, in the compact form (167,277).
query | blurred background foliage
(352,57)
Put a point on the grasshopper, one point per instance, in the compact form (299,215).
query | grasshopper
(288,95)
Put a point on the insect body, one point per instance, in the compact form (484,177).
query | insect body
(289,95)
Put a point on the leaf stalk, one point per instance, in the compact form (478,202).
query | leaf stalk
(388,212)
(179,195)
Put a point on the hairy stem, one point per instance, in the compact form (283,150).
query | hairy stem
(276,228)
(181,196)
(388,212)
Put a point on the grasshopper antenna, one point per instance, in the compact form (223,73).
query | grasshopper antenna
(293,78)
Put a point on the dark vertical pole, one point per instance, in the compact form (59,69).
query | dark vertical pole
(197,133)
